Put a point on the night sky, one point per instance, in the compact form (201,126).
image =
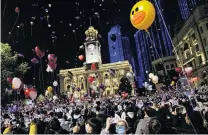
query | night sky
(64,16)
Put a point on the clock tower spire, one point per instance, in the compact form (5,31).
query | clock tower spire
(92,47)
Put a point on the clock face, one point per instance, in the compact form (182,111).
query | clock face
(91,47)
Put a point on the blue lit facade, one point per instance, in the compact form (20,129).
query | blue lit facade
(120,49)
(146,53)
(115,47)
(186,6)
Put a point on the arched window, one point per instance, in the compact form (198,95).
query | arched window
(186,47)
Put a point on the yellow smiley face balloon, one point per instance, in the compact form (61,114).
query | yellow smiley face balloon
(142,15)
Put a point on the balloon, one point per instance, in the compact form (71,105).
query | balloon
(55,97)
(20,55)
(27,92)
(13,87)
(129,75)
(113,37)
(93,66)
(16,82)
(52,57)
(17,10)
(178,69)
(81,57)
(50,89)
(39,53)
(151,75)
(102,86)
(9,80)
(90,79)
(34,61)
(172,82)
(142,15)
(33,94)
(155,79)
(67,62)
(188,70)
(55,83)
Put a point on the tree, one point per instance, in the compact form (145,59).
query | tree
(10,66)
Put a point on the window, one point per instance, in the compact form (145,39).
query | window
(201,29)
(193,36)
(186,46)
(200,60)
(197,47)
(167,66)
(207,25)
(205,41)
(172,66)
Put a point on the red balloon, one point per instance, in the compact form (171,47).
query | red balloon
(17,10)
(27,92)
(81,57)
(90,79)
(39,53)
(178,69)
(9,79)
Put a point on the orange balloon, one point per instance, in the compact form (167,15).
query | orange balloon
(81,57)
(27,92)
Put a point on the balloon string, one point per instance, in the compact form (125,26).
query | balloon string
(23,32)
(5,6)
(177,56)
(14,25)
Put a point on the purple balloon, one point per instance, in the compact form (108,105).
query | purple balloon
(78,89)
(102,86)
(86,95)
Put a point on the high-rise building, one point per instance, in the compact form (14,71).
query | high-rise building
(187,6)
(146,52)
(119,47)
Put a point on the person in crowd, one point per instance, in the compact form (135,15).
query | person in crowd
(93,126)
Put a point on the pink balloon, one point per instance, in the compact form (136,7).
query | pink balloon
(39,53)
(34,61)
(188,70)
(52,57)
(33,94)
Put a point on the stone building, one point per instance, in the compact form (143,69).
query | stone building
(77,78)
(191,42)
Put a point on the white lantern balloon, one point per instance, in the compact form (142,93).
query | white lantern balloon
(55,83)
(155,79)
(33,95)
(16,82)
(151,75)
(188,70)
(129,76)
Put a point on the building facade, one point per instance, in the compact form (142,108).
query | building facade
(187,7)
(119,47)
(146,52)
(76,80)
(191,42)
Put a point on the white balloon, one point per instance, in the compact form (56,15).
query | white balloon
(33,94)
(55,97)
(155,79)
(151,75)
(55,83)
(16,82)
(129,75)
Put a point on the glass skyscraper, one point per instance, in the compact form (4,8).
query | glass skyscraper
(146,53)
(186,6)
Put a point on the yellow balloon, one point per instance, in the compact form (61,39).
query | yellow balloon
(50,89)
(172,82)
(142,15)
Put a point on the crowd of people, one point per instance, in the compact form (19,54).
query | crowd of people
(172,112)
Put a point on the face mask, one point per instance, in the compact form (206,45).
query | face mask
(120,129)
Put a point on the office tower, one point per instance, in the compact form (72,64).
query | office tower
(119,47)
(146,53)
(187,6)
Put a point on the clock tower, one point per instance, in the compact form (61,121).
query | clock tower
(92,47)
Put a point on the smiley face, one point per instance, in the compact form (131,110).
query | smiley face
(142,15)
